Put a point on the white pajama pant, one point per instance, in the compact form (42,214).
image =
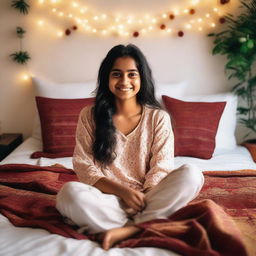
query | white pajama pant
(88,207)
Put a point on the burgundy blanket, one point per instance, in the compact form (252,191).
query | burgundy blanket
(27,199)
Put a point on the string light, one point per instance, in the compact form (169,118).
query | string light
(41,22)
(102,23)
(25,77)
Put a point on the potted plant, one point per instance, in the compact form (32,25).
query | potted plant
(238,42)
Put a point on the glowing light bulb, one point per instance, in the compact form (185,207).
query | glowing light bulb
(186,11)
(61,14)
(104,16)
(40,22)
(176,12)
(215,9)
(207,15)
(60,33)
(169,30)
(75,4)
(199,19)
(200,29)
(25,77)
(96,18)
(164,15)
(70,15)
(88,28)
(54,10)
(94,30)
(41,1)
(121,26)
(188,26)
(54,1)
(213,25)
(154,20)
(194,2)
(78,20)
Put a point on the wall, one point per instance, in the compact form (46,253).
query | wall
(76,58)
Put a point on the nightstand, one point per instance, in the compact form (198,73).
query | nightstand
(8,142)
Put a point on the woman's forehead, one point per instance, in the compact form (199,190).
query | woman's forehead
(124,64)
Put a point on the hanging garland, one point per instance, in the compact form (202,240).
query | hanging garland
(20,56)
(95,22)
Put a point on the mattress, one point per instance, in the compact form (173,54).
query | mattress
(235,159)
(30,242)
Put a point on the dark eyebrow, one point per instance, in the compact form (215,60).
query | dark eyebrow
(129,70)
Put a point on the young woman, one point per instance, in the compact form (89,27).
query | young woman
(124,155)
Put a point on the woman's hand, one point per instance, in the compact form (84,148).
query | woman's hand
(133,198)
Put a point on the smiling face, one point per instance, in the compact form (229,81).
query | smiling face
(124,79)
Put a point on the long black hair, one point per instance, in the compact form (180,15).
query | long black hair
(105,140)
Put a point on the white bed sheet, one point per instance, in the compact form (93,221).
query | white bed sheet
(236,159)
(16,241)
(30,242)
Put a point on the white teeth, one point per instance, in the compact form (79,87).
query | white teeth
(125,89)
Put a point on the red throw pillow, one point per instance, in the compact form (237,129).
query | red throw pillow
(58,124)
(194,125)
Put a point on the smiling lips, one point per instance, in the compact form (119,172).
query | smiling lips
(125,89)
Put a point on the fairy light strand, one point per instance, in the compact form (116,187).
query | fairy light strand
(100,23)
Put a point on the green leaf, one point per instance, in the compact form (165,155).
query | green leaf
(238,62)
(241,92)
(218,49)
(236,86)
(252,82)
(20,57)
(243,110)
(244,48)
(21,5)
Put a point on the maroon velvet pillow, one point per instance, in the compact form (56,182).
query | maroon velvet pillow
(58,124)
(194,125)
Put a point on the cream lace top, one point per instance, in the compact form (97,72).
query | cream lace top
(143,157)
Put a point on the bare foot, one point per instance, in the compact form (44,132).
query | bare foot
(112,236)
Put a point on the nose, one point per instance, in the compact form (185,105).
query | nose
(125,79)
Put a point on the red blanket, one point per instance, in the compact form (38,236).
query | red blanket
(27,198)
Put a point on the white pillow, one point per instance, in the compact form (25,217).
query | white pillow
(225,137)
(172,89)
(49,89)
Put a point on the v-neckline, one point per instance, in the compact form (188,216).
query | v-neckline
(136,127)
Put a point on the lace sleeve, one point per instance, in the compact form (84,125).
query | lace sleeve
(87,170)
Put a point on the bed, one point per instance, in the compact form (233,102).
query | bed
(230,173)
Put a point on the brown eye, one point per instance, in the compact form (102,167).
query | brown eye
(133,74)
(115,74)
